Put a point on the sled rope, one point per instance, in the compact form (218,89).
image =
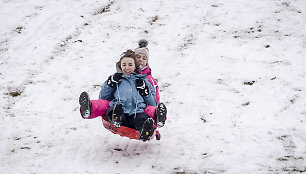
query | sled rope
(118,93)
(136,106)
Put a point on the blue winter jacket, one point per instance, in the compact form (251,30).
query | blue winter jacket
(128,95)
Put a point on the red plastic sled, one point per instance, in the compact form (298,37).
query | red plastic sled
(126,131)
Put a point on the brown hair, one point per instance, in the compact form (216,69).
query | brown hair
(128,53)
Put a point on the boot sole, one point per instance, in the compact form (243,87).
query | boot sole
(147,130)
(84,102)
(161,112)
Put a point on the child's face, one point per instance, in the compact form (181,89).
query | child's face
(141,60)
(127,65)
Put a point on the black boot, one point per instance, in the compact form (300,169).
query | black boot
(147,130)
(86,107)
(117,115)
(160,114)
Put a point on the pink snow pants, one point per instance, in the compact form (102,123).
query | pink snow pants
(99,108)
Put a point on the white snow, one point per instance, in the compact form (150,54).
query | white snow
(231,72)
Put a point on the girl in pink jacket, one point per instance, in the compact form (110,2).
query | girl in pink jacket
(142,56)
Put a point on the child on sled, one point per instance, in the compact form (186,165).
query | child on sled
(127,95)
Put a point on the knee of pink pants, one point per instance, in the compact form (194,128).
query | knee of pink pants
(150,110)
(99,108)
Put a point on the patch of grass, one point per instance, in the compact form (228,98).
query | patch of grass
(27,148)
(290,157)
(19,29)
(97,86)
(179,170)
(118,149)
(249,83)
(246,104)
(294,169)
(283,137)
(14,93)
(65,42)
(203,119)
(153,20)
(165,85)
(105,9)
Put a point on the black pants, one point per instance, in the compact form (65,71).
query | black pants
(131,121)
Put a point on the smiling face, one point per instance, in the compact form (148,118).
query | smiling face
(127,65)
(141,60)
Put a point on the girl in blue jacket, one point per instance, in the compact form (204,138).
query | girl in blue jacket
(129,93)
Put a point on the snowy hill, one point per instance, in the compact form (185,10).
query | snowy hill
(232,74)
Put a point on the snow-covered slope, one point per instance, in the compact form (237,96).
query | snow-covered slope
(232,74)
